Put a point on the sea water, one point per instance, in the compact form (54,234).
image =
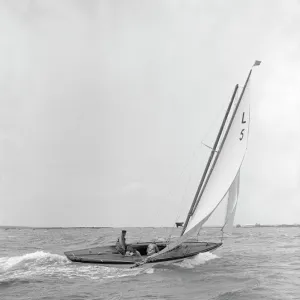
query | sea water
(254,263)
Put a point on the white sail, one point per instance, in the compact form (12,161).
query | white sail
(226,167)
(232,198)
(223,173)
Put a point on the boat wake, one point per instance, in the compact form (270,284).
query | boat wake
(188,263)
(40,265)
(30,260)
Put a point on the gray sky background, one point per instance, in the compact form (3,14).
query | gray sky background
(104,104)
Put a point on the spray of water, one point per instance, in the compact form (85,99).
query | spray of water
(31,259)
(197,260)
(33,266)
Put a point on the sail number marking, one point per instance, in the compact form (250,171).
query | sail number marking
(242,131)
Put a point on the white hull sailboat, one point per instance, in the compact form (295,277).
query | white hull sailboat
(219,183)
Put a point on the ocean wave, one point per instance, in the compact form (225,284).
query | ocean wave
(237,293)
(10,281)
(31,259)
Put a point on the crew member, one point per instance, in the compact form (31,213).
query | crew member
(132,252)
(152,248)
(121,243)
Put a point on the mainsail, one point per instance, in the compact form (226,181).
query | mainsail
(226,165)
(222,179)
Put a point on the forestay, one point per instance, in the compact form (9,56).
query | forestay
(226,167)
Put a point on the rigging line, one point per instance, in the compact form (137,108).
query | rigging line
(177,178)
(222,236)
(198,233)
(183,197)
(214,150)
(221,145)
(209,147)
(202,181)
(215,123)
(169,196)
(186,187)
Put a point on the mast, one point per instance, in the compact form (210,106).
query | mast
(222,143)
(213,150)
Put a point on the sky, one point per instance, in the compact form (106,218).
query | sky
(104,106)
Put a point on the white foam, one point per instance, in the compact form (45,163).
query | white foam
(42,263)
(35,258)
(199,259)
(149,271)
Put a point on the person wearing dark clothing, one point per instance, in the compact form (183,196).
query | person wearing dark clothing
(121,243)
(132,252)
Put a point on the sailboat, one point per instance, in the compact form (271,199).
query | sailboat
(219,183)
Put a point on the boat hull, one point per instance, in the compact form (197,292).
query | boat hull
(108,256)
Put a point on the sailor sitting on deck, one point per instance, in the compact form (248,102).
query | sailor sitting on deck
(132,252)
(152,248)
(121,243)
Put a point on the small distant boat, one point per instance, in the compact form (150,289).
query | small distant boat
(179,224)
(219,183)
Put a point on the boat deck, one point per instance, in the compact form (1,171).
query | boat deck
(108,254)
